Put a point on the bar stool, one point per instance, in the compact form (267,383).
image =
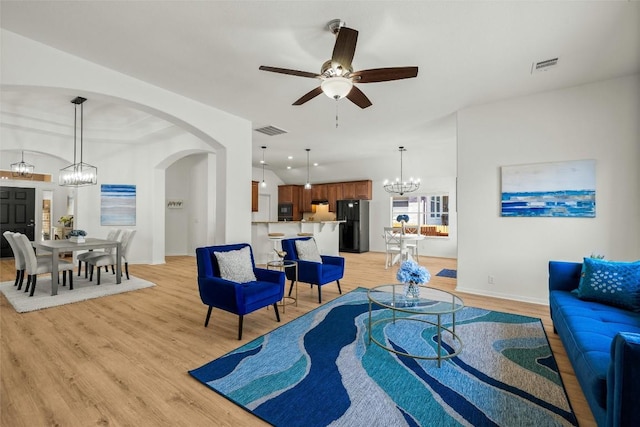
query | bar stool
(305,234)
(277,247)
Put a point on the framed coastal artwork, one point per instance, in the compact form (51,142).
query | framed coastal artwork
(559,189)
(117,204)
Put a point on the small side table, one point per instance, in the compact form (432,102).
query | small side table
(282,265)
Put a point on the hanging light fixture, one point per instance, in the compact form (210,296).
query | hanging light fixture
(263,184)
(22,169)
(399,186)
(307,186)
(78,174)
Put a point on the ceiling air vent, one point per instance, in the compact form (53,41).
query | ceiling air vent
(537,67)
(270,130)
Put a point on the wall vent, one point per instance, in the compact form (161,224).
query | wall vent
(271,130)
(545,65)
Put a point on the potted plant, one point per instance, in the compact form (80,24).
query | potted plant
(77,236)
(66,221)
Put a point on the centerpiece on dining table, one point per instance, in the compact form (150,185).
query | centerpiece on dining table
(402,219)
(412,275)
(77,236)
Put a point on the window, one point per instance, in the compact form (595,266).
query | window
(428,214)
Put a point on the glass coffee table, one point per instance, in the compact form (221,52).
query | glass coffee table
(428,307)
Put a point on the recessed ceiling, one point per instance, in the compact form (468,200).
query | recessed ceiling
(468,53)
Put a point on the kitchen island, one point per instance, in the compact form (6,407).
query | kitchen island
(326,234)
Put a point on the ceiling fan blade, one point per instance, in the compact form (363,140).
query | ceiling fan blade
(345,47)
(384,74)
(357,97)
(308,96)
(290,72)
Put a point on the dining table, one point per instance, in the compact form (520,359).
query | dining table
(405,252)
(66,245)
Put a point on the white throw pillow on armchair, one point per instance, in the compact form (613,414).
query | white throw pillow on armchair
(308,250)
(236,265)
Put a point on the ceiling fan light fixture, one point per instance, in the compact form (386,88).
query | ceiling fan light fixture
(336,87)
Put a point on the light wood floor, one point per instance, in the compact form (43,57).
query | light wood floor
(122,360)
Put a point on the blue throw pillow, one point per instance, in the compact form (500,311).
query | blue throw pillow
(610,282)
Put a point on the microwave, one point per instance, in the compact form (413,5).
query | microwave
(285,212)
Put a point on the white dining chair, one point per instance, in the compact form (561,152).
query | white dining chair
(38,265)
(113,234)
(19,259)
(391,244)
(111,259)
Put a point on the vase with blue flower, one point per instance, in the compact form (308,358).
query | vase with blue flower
(412,275)
(402,219)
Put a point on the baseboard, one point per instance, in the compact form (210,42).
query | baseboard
(503,296)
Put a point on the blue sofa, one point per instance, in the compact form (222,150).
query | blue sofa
(603,345)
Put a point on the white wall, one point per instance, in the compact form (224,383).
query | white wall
(597,121)
(28,64)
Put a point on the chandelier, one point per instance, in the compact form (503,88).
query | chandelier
(22,169)
(78,174)
(399,186)
(263,184)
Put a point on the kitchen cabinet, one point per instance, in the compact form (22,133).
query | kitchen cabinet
(292,194)
(305,200)
(334,193)
(363,190)
(358,190)
(254,196)
(319,192)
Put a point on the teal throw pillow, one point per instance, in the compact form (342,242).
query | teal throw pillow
(611,282)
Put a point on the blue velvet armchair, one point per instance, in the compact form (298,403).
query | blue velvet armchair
(237,298)
(331,269)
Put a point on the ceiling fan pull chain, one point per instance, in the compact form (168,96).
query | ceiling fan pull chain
(336,113)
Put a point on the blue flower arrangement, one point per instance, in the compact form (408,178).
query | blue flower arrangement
(77,233)
(401,218)
(411,271)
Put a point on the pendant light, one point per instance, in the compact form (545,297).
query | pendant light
(399,186)
(307,186)
(263,184)
(22,169)
(78,174)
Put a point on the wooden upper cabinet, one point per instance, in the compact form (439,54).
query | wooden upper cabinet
(305,199)
(363,190)
(334,193)
(254,196)
(319,192)
(301,198)
(360,190)
(285,193)
(291,194)
(348,190)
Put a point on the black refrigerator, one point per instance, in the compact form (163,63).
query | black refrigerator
(354,233)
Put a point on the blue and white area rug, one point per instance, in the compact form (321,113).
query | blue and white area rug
(320,370)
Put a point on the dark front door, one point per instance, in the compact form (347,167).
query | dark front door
(17,214)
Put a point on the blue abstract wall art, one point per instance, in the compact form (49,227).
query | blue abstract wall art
(559,189)
(117,204)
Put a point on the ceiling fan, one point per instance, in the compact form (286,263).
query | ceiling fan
(337,75)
